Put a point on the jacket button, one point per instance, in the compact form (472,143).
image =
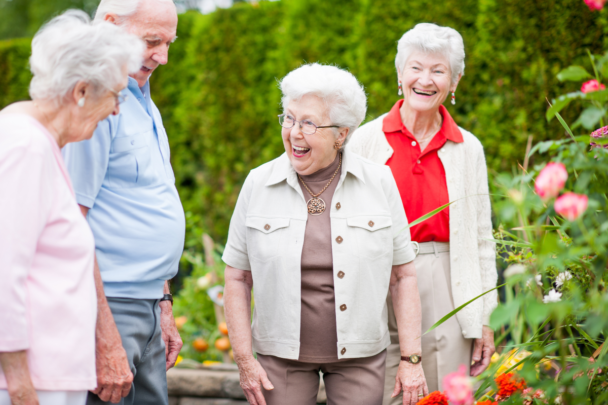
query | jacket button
(418,161)
(413,143)
(338,206)
(340,274)
(371,224)
(339,239)
(343,307)
(343,350)
(267,227)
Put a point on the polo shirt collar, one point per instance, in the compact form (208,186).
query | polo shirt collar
(283,170)
(392,123)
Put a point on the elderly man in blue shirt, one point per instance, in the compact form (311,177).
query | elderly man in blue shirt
(125,186)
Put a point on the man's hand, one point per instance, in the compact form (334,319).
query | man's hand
(19,383)
(483,351)
(114,377)
(173,342)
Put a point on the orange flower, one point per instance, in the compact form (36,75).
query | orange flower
(508,384)
(487,402)
(434,398)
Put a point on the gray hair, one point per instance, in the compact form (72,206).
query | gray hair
(431,38)
(342,94)
(122,8)
(69,49)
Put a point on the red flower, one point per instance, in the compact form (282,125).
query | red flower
(434,398)
(508,384)
(486,402)
(595,4)
(591,86)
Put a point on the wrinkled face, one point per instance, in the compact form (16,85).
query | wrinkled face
(426,81)
(96,108)
(155,22)
(310,153)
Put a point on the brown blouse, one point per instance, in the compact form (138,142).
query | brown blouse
(318,335)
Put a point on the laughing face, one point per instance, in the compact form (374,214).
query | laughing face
(155,22)
(426,81)
(311,153)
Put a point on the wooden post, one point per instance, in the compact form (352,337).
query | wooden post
(219,310)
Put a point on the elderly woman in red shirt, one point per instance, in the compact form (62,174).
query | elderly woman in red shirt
(435,162)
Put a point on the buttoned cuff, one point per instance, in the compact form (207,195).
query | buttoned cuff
(403,255)
(236,259)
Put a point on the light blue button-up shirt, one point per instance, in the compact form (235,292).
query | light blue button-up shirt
(123,174)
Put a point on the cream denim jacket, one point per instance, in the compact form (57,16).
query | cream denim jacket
(368,237)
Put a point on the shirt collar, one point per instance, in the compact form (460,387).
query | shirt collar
(392,123)
(134,88)
(283,170)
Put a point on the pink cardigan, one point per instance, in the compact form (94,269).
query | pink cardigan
(47,291)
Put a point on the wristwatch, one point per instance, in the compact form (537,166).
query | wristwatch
(414,358)
(167,297)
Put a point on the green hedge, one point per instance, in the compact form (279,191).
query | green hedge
(219,95)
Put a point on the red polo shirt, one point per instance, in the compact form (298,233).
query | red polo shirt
(420,176)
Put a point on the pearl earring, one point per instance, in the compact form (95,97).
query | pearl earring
(81,102)
(400,92)
(453,98)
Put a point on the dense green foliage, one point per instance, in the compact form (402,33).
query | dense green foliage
(219,95)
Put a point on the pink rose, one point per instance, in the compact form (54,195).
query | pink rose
(592,85)
(595,4)
(571,205)
(458,387)
(551,180)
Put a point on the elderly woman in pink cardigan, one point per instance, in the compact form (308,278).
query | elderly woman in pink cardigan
(47,292)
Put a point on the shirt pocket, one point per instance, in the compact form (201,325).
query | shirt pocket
(130,162)
(373,234)
(266,237)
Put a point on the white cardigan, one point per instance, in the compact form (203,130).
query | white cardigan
(472,259)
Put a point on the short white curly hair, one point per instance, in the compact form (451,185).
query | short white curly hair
(69,49)
(122,8)
(341,92)
(432,38)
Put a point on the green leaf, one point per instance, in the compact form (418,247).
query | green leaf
(454,312)
(591,116)
(600,95)
(561,121)
(508,242)
(573,73)
(427,216)
(561,102)
(585,335)
(535,227)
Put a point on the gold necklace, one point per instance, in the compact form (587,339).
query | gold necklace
(316,205)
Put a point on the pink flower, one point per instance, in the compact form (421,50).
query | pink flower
(598,134)
(551,180)
(571,205)
(592,85)
(595,4)
(458,387)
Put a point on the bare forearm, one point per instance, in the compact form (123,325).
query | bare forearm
(406,303)
(237,302)
(16,371)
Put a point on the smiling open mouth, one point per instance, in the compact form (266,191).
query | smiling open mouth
(146,69)
(424,92)
(299,152)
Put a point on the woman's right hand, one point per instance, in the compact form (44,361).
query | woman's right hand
(253,378)
(19,383)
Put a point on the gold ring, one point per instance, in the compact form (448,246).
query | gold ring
(420,395)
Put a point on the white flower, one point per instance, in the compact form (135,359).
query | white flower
(538,281)
(204,282)
(217,295)
(553,296)
(562,278)
(514,269)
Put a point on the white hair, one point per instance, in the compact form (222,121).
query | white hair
(431,38)
(69,49)
(122,8)
(342,94)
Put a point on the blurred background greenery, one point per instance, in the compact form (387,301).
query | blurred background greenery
(219,96)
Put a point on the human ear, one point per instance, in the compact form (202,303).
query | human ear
(80,93)
(342,134)
(111,18)
(455,84)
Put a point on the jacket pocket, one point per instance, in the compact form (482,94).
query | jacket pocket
(266,237)
(373,234)
(130,162)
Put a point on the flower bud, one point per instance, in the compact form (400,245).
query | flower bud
(551,180)
(571,205)
(591,86)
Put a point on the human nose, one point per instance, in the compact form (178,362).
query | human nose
(296,130)
(161,57)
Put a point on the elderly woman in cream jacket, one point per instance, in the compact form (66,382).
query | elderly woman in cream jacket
(317,233)
(435,162)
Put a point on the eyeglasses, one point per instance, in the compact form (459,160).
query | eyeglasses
(308,127)
(120,98)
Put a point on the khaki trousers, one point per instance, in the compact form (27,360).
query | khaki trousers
(347,382)
(444,349)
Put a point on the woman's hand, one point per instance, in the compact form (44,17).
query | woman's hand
(483,351)
(253,378)
(410,378)
(19,383)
